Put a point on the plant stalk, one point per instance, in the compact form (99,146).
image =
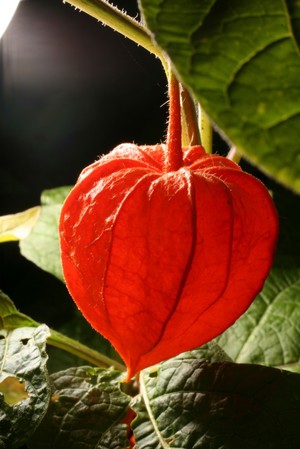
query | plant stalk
(162,443)
(234,155)
(190,129)
(67,344)
(206,132)
(174,155)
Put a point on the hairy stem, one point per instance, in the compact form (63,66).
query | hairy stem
(121,22)
(174,156)
(67,344)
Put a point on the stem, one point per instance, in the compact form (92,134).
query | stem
(234,155)
(174,156)
(121,22)
(205,131)
(294,367)
(144,394)
(191,135)
(61,341)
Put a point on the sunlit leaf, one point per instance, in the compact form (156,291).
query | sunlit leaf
(55,196)
(269,332)
(24,392)
(41,246)
(18,226)
(241,61)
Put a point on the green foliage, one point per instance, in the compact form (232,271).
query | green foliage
(191,403)
(10,317)
(18,226)
(24,391)
(269,332)
(242,63)
(41,246)
(86,410)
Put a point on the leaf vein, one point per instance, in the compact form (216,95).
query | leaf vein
(263,317)
(250,57)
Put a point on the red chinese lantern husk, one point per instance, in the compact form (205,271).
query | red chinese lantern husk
(162,260)
(130,415)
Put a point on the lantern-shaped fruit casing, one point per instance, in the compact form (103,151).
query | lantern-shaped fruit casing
(162,262)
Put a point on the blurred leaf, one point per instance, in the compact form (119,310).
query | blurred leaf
(79,329)
(55,196)
(10,317)
(24,392)
(42,244)
(18,226)
(269,332)
(240,60)
(85,411)
(190,403)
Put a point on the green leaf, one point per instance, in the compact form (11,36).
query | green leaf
(86,409)
(52,197)
(42,244)
(24,392)
(18,226)
(189,403)
(269,332)
(145,434)
(10,317)
(241,61)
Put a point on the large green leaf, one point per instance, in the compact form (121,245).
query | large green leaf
(24,392)
(85,411)
(41,246)
(241,61)
(189,403)
(269,332)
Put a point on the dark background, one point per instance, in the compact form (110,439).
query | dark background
(70,90)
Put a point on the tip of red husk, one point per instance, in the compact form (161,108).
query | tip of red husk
(129,375)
